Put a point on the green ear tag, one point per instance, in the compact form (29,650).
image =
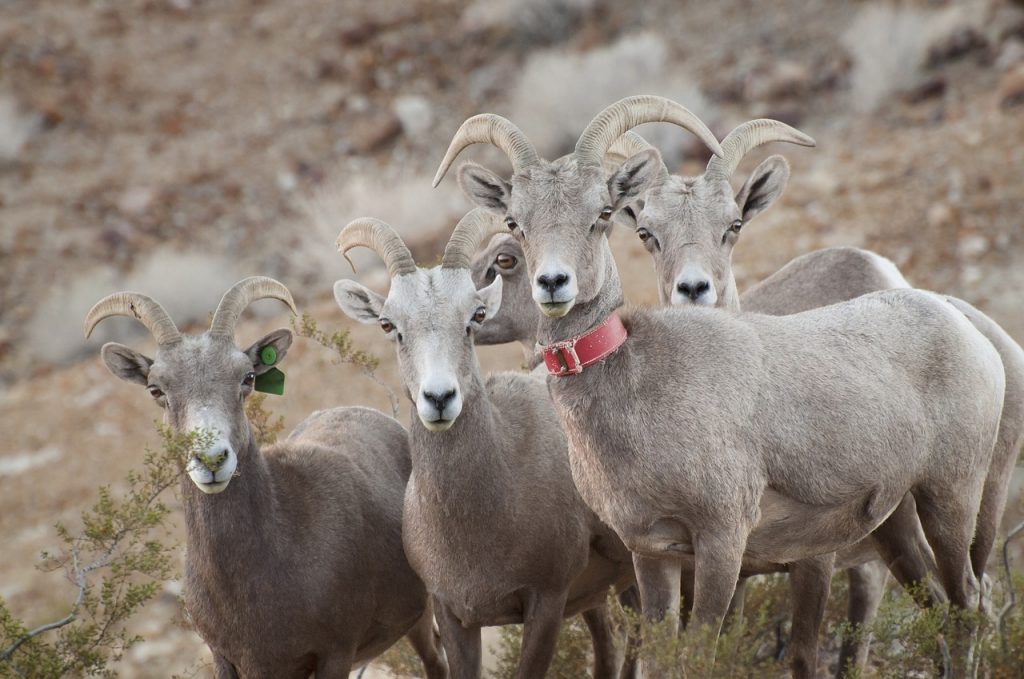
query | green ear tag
(268,355)
(270,382)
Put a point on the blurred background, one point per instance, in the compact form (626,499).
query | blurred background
(175,146)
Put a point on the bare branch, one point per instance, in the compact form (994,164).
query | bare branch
(1010,593)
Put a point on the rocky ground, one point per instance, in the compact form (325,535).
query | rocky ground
(173,146)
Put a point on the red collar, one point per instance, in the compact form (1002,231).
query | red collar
(576,353)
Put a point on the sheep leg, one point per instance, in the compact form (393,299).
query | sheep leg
(337,666)
(993,502)
(686,592)
(902,545)
(947,518)
(867,585)
(606,662)
(222,667)
(630,600)
(809,581)
(461,644)
(735,606)
(659,583)
(718,557)
(739,599)
(427,644)
(542,619)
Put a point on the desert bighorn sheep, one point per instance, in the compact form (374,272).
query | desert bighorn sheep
(713,438)
(517,321)
(681,222)
(294,563)
(493,523)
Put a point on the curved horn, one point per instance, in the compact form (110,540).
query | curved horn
(145,309)
(382,239)
(747,137)
(625,114)
(489,128)
(473,229)
(241,295)
(625,147)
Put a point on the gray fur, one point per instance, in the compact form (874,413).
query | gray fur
(295,565)
(711,437)
(493,523)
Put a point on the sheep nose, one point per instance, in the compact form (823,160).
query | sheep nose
(551,282)
(693,289)
(439,401)
(214,458)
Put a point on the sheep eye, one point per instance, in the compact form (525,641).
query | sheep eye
(386,325)
(249,379)
(606,213)
(155,392)
(511,223)
(734,229)
(505,261)
(644,234)
(479,315)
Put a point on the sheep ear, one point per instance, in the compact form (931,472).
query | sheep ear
(126,363)
(358,302)
(485,188)
(763,187)
(627,215)
(490,297)
(269,351)
(639,173)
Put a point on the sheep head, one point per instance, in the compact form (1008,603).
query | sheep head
(201,381)
(432,315)
(691,224)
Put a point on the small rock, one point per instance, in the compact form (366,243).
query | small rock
(287,181)
(369,133)
(1011,54)
(955,45)
(940,215)
(415,114)
(1011,87)
(135,201)
(785,79)
(970,275)
(973,246)
(935,86)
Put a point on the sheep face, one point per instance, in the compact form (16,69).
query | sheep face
(432,315)
(560,214)
(690,226)
(201,383)
(517,318)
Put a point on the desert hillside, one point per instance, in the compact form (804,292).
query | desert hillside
(174,146)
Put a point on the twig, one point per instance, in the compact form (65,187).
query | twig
(395,403)
(70,617)
(1011,594)
(79,573)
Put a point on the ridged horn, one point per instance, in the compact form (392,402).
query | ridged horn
(144,309)
(240,296)
(477,226)
(747,137)
(624,148)
(489,128)
(625,114)
(381,238)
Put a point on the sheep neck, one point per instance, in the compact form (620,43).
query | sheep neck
(237,521)
(465,462)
